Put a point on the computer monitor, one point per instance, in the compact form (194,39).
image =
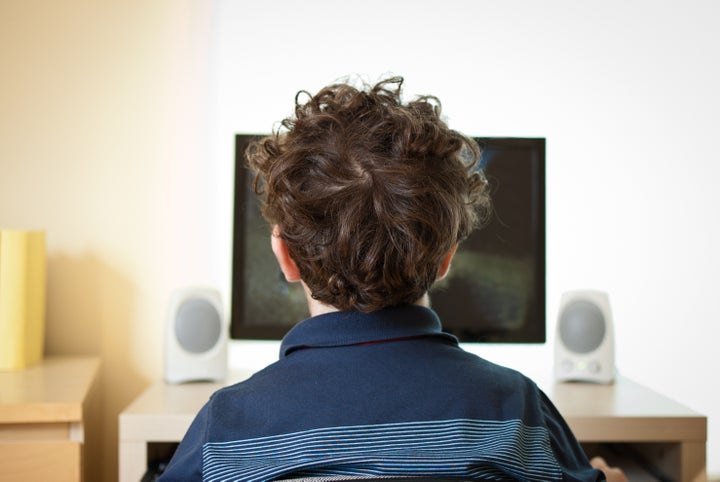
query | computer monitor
(495,291)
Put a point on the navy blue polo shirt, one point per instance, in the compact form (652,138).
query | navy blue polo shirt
(384,393)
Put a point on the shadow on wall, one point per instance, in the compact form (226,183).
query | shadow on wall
(89,308)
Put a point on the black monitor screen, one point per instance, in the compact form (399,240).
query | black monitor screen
(494,292)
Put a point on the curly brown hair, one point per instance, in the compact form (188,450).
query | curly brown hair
(369,193)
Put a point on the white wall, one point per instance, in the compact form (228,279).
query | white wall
(626,95)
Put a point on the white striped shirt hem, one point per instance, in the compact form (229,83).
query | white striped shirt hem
(494,450)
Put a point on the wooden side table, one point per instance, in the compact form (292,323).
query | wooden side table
(49,421)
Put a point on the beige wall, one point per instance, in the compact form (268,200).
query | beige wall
(102,121)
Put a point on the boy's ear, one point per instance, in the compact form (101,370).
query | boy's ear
(445,265)
(280,249)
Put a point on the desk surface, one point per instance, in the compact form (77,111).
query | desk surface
(163,412)
(622,412)
(625,411)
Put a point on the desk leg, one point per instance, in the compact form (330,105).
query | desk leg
(681,461)
(133,461)
(692,461)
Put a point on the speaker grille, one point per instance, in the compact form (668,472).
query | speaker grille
(197,326)
(582,326)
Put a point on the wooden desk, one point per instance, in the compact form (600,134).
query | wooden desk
(640,422)
(625,422)
(48,414)
(157,419)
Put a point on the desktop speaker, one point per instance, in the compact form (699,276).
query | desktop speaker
(195,337)
(584,340)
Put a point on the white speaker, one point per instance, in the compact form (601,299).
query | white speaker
(195,336)
(584,338)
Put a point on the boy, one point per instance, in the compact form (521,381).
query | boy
(368,198)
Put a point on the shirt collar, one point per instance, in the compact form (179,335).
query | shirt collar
(353,327)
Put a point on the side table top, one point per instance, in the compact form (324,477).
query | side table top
(51,391)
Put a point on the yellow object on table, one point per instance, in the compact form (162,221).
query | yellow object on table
(23,272)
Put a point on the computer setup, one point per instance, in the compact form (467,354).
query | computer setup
(495,293)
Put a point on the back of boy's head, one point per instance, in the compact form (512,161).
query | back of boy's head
(369,193)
